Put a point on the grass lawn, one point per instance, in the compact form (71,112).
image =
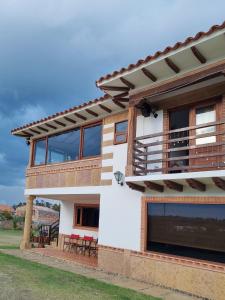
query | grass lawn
(10,239)
(22,279)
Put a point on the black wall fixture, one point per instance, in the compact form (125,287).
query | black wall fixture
(147,109)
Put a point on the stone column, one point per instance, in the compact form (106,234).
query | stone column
(25,243)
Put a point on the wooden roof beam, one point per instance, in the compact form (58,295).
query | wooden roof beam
(149,74)
(91,112)
(219,182)
(50,126)
(123,99)
(60,123)
(200,57)
(115,88)
(154,186)
(129,84)
(136,187)
(70,120)
(121,95)
(27,134)
(118,103)
(105,108)
(80,116)
(172,65)
(197,185)
(173,185)
(35,131)
(42,128)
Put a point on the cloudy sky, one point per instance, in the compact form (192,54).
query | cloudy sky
(52,51)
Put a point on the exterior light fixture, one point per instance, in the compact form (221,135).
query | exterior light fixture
(28,141)
(119,177)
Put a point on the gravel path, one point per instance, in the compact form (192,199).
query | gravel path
(149,289)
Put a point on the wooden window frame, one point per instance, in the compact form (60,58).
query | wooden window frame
(77,225)
(123,133)
(81,157)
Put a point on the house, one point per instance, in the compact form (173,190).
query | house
(142,168)
(40,214)
(6,208)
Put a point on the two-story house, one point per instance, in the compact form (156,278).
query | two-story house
(143,167)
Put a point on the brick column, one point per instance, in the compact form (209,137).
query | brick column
(25,243)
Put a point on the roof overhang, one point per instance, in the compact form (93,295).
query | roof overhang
(179,182)
(92,111)
(172,63)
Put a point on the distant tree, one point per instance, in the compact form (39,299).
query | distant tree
(7,215)
(56,207)
(48,204)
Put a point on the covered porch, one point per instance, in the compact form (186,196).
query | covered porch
(79,222)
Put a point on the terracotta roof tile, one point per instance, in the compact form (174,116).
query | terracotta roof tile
(167,50)
(49,118)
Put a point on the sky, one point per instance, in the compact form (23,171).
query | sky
(53,51)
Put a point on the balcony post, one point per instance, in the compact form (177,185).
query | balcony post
(132,117)
(25,243)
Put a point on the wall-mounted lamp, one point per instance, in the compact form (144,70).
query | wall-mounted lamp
(119,177)
(147,109)
(28,141)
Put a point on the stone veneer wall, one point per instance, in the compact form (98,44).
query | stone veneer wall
(200,278)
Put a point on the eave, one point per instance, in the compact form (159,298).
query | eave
(86,113)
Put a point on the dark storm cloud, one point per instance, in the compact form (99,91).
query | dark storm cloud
(51,53)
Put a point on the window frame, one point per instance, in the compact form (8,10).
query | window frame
(123,133)
(81,128)
(80,206)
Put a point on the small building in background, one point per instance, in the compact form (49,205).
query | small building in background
(41,214)
(6,208)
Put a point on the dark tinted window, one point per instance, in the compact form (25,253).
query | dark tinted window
(39,152)
(195,230)
(64,147)
(92,140)
(90,216)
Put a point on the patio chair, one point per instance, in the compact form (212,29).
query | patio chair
(86,245)
(66,242)
(75,242)
(94,248)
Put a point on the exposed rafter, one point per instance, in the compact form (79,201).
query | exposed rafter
(42,128)
(172,65)
(123,99)
(149,74)
(50,126)
(195,184)
(129,84)
(115,88)
(60,123)
(105,108)
(91,112)
(80,116)
(219,182)
(118,103)
(121,95)
(200,57)
(154,186)
(34,131)
(28,134)
(173,185)
(136,187)
(70,120)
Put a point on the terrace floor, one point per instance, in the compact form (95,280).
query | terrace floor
(65,255)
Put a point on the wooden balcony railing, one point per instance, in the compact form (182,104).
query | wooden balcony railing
(190,149)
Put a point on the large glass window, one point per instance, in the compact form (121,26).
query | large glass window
(92,139)
(40,152)
(87,216)
(70,145)
(205,115)
(194,230)
(64,147)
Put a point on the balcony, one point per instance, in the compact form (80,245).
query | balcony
(186,157)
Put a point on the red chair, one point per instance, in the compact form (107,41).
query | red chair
(74,242)
(86,245)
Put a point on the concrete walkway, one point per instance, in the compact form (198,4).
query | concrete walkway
(122,281)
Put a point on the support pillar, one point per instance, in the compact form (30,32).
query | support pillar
(25,243)
(132,116)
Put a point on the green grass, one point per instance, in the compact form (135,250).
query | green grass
(10,239)
(22,279)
